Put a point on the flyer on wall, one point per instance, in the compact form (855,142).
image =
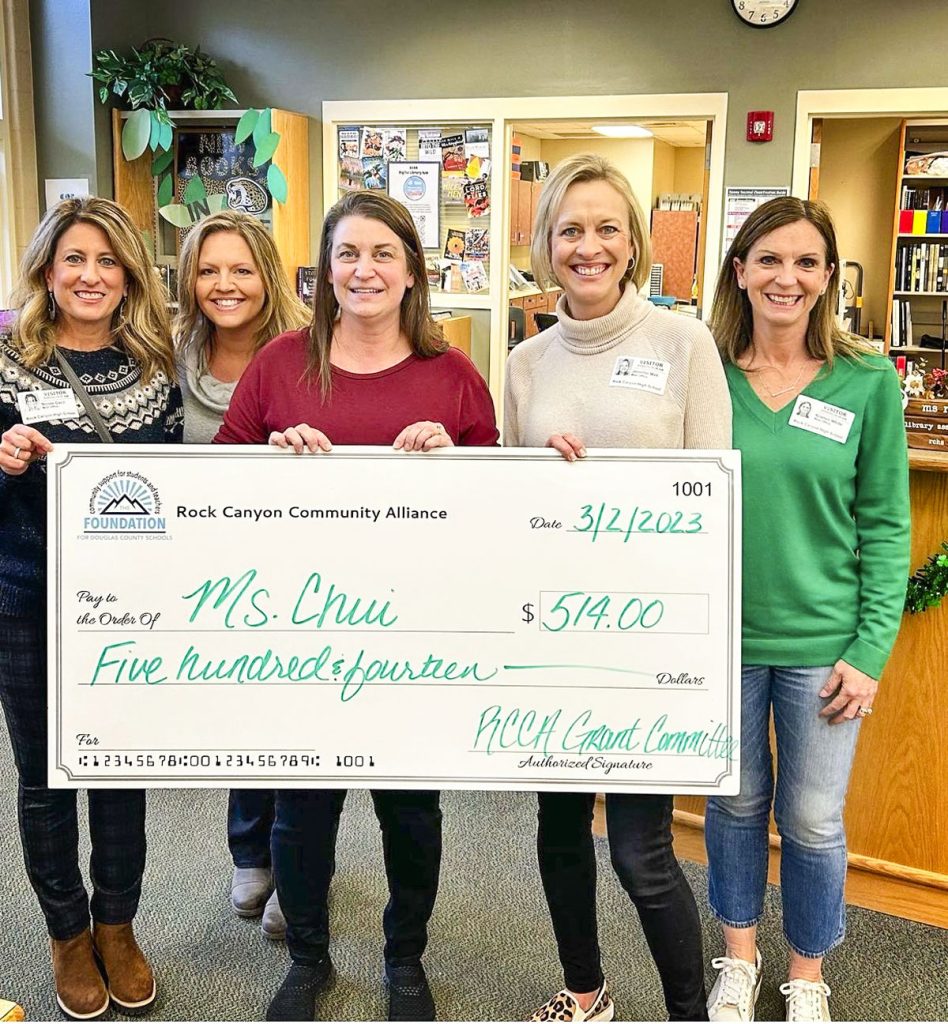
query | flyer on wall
(739,204)
(415,185)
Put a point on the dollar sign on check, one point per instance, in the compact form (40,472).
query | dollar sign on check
(528,615)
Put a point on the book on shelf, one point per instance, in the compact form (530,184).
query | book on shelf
(452,153)
(476,197)
(394,144)
(474,275)
(348,142)
(902,336)
(921,267)
(306,284)
(350,173)
(371,142)
(477,244)
(454,245)
(374,172)
(429,144)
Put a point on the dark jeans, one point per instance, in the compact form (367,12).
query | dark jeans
(640,842)
(49,828)
(249,823)
(304,859)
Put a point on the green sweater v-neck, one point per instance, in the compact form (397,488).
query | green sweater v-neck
(826,523)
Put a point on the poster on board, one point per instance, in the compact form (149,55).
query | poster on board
(739,204)
(415,185)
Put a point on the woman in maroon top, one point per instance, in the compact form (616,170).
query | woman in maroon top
(373,369)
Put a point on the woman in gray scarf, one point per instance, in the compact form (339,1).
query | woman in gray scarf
(233,297)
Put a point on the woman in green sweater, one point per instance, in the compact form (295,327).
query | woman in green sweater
(818,419)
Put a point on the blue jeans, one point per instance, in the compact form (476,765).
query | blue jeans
(49,825)
(814,760)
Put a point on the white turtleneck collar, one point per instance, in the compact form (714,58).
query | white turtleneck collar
(590,337)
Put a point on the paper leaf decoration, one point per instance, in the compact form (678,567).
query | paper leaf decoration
(166,190)
(161,163)
(194,191)
(177,214)
(276,183)
(166,137)
(136,133)
(262,127)
(246,125)
(155,133)
(184,216)
(266,147)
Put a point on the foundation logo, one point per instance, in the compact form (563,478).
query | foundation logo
(124,503)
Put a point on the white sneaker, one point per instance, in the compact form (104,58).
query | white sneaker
(734,995)
(806,1000)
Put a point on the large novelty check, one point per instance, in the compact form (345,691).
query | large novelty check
(471,618)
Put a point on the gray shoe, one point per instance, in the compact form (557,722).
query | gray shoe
(249,890)
(273,924)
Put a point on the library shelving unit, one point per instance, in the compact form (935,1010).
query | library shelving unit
(289,222)
(508,217)
(918,269)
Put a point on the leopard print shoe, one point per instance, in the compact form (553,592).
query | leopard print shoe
(563,1006)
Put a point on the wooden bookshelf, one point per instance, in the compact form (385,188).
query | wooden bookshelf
(916,137)
(134,186)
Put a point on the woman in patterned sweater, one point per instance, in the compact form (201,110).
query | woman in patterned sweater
(89,311)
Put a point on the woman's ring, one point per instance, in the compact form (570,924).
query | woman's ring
(438,428)
(863,712)
(16,452)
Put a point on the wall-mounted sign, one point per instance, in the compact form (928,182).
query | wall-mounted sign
(58,189)
(416,186)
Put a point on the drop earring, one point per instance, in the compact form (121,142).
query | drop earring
(51,309)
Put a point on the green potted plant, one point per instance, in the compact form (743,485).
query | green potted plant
(163,75)
(159,76)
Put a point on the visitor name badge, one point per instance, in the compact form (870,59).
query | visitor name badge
(822,418)
(642,374)
(52,404)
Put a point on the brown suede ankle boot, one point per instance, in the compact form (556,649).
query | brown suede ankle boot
(129,976)
(80,990)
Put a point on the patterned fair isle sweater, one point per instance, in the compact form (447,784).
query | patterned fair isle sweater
(134,412)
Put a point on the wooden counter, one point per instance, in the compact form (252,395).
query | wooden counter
(897,807)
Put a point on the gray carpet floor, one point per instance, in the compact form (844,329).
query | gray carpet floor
(491,954)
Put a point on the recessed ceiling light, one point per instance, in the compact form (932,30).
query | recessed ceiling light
(623,131)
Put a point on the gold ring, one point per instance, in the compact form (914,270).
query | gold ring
(863,712)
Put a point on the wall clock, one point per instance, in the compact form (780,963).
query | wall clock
(764,13)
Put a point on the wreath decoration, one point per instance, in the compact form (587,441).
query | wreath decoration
(928,586)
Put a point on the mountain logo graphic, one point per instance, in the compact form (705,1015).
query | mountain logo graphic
(124,502)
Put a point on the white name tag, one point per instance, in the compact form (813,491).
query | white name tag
(642,374)
(822,418)
(53,404)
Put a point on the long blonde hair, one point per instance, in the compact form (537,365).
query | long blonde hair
(282,310)
(424,335)
(732,318)
(140,326)
(580,168)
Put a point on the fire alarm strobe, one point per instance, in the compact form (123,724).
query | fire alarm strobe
(760,125)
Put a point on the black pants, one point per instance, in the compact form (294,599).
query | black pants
(640,843)
(304,859)
(49,826)
(249,823)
